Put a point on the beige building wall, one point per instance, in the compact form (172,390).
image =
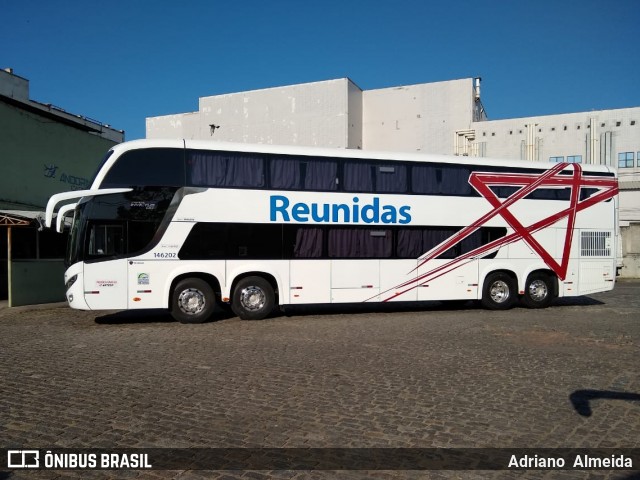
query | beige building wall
(420,117)
(311,114)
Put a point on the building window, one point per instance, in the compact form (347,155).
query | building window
(625,160)
(556,159)
(638,157)
(574,158)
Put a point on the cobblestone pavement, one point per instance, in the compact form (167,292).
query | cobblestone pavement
(438,376)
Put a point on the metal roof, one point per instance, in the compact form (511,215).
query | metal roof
(15,218)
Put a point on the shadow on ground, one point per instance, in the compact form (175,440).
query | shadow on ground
(163,316)
(581,399)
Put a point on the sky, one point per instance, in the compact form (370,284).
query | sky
(121,61)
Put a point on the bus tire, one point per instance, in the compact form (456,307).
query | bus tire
(538,290)
(192,301)
(499,291)
(253,298)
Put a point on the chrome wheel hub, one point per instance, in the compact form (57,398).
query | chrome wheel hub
(253,298)
(191,301)
(499,291)
(538,290)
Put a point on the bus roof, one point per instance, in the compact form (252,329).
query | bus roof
(338,153)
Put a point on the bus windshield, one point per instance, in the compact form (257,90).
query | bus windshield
(118,225)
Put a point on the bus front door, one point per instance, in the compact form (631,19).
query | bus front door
(105,285)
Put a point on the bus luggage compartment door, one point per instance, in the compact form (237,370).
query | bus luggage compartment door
(355,280)
(105,285)
(310,281)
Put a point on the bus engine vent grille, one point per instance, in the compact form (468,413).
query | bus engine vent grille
(595,244)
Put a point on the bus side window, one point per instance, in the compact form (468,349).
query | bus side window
(106,240)
(358,177)
(147,167)
(320,174)
(308,243)
(285,173)
(391,178)
(441,179)
(224,169)
(424,180)
(360,243)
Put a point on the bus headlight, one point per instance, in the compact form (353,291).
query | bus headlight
(71,281)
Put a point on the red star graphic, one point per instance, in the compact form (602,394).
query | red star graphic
(607,188)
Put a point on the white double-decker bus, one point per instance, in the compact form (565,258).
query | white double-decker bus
(185,225)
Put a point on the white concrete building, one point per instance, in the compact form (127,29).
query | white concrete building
(442,117)
(606,137)
(334,113)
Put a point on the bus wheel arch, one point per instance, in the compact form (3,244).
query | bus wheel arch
(500,290)
(254,295)
(540,289)
(193,297)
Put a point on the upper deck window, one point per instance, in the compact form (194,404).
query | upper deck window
(223,169)
(147,167)
(441,179)
(303,173)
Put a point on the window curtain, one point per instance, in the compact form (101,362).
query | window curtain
(424,180)
(358,177)
(360,243)
(308,243)
(446,180)
(285,173)
(321,175)
(409,244)
(214,169)
(391,179)
(434,237)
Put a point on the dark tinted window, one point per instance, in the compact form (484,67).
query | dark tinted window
(360,176)
(267,241)
(360,243)
(413,243)
(309,242)
(320,174)
(286,173)
(225,169)
(233,241)
(391,178)
(441,179)
(121,224)
(147,167)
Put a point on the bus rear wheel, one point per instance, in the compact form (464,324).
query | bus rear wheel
(499,291)
(253,298)
(192,301)
(538,291)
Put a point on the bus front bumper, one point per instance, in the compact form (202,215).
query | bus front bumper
(74,282)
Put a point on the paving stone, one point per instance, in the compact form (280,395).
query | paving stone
(333,377)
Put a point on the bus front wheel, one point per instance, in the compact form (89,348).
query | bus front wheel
(193,301)
(253,298)
(499,292)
